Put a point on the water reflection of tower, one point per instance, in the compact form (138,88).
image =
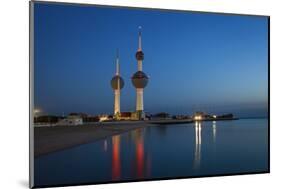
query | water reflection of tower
(105,145)
(142,160)
(139,153)
(140,81)
(116,162)
(197,153)
(214,126)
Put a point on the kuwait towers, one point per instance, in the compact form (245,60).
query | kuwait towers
(140,80)
(117,83)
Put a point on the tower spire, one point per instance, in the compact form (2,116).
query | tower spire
(139,39)
(117,63)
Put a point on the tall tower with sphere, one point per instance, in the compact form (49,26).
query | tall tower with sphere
(139,80)
(117,83)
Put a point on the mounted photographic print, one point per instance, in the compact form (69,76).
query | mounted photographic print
(120,94)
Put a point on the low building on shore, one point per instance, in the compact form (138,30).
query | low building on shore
(161,116)
(225,116)
(123,116)
(126,116)
(181,117)
(105,117)
(71,120)
(198,116)
(46,120)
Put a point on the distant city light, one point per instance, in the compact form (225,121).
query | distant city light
(36,111)
(214,116)
(103,118)
(198,118)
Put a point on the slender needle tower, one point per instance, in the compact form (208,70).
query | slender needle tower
(117,83)
(140,80)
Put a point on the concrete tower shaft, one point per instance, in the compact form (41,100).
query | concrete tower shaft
(139,103)
(116,102)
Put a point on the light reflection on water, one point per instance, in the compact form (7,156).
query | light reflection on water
(140,162)
(116,164)
(214,130)
(201,148)
(197,153)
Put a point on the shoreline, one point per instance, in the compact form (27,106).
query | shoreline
(56,138)
(49,139)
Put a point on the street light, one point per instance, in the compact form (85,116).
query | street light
(198,118)
(36,112)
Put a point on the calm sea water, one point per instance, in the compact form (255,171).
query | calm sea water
(184,150)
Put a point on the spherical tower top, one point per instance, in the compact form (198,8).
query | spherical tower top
(117,82)
(140,79)
(139,55)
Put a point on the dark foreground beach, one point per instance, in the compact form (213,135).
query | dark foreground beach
(55,138)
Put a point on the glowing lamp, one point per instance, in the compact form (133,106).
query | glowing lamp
(198,118)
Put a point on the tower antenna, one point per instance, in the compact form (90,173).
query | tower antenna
(140,38)
(117,62)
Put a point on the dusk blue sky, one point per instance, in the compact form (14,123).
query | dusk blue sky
(196,61)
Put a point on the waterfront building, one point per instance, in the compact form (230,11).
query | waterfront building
(104,117)
(161,116)
(199,116)
(129,116)
(117,83)
(71,120)
(44,119)
(139,80)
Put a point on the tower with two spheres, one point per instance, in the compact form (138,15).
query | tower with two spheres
(139,80)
